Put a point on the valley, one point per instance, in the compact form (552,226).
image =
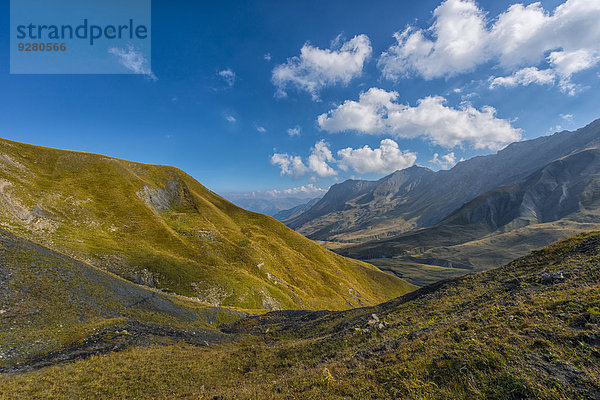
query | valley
(530,329)
(115,271)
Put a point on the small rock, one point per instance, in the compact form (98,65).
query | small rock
(512,284)
(552,277)
(374,320)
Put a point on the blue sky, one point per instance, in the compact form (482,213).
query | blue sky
(234,102)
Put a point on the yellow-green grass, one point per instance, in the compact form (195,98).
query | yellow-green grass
(501,334)
(50,302)
(158,226)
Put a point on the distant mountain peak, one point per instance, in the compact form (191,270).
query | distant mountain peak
(419,197)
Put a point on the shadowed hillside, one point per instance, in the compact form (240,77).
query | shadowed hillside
(50,302)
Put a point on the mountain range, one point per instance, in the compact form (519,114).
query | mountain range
(484,211)
(265,204)
(295,211)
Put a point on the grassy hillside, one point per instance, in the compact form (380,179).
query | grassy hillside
(530,329)
(50,302)
(157,226)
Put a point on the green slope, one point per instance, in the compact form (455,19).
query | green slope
(157,226)
(50,302)
(521,331)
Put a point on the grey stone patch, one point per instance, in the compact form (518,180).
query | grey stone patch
(162,199)
(552,277)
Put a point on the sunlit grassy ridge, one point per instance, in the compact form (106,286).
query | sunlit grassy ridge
(158,226)
(510,333)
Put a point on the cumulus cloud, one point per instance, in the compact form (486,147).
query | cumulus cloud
(295,131)
(377,112)
(319,158)
(462,37)
(456,45)
(305,191)
(385,159)
(133,60)
(317,68)
(289,165)
(317,162)
(444,162)
(228,76)
(230,118)
(525,77)
(261,129)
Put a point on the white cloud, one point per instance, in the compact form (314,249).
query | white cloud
(295,131)
(261,129)
(567,117)
(377,112)
(525,77)
(462,38)
(385,159)
(230,118)
(444,162)
(456,45)
(133,60)
(317,162)
(317,68)
(289,165)
(555,128)
(228,76)
(305,191)
(267,57)
(319,158)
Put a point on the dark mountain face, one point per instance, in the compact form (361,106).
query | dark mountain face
(417,197)
(568,188)
(551,193)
